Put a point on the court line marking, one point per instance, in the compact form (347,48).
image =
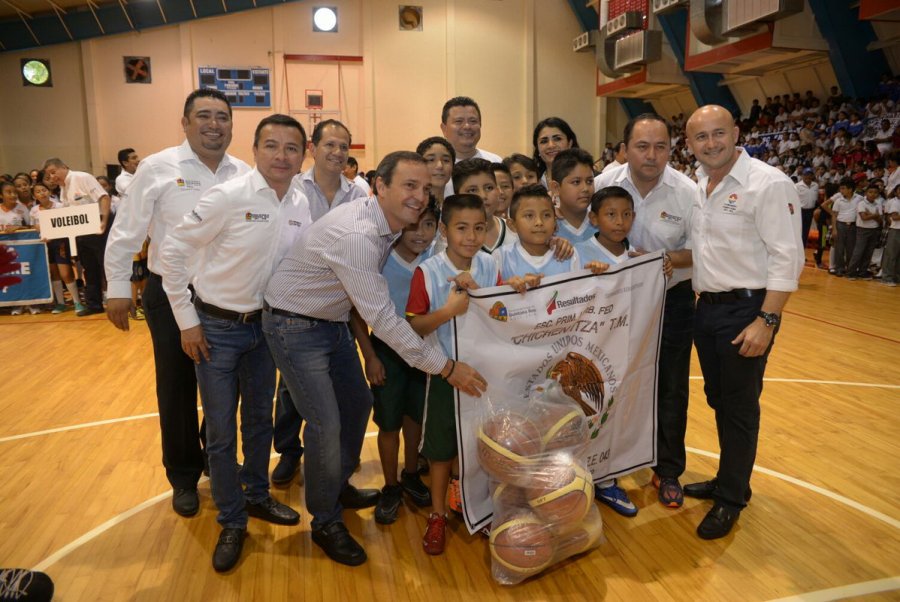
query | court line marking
(836,325)
(845,591)
(119,518)
(85,425)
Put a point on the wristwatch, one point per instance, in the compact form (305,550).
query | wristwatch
(772,319)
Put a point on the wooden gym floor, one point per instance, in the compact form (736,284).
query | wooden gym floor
(86,499)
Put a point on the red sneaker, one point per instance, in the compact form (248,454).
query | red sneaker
(435,534)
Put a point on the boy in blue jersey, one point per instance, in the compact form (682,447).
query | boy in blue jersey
(612,213)
(399,389)
(434,300)
(572,182)
(523,263)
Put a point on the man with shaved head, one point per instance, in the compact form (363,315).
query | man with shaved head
(747,257)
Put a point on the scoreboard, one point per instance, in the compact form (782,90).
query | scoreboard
(244,87)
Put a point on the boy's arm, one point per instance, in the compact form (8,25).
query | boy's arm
(374,368)
(418,306)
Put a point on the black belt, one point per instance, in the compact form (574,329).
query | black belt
(227,314)
(732,296)
(290,314)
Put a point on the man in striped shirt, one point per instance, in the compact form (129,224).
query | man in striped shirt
(334,266)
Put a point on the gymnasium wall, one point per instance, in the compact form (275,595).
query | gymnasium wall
(513,56)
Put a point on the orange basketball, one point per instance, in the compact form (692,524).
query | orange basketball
(561,492)
(505,440)
(583,537)
(561,426)
(521,545)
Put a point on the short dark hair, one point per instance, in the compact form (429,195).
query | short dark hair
(848,182)
(352,162)
(204,93)
(519,159)
(500,167)
(629,127)
(458,202)
(388,165)
(468,168)
(528,192)
(431,207)
(124,154)
(458,101)
(4,183)
(552,122)
(873,185)
(317,131)
(280,119)
(567,160)
(609,192)
(619,145)
(424,145)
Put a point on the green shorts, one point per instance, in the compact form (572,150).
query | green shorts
(403,391)
(439,428)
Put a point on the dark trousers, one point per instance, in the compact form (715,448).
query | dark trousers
(733,384)
(176,391)
(844,242)
(287,424)
(674,378)
(866,239)
(90,254)
(806,218)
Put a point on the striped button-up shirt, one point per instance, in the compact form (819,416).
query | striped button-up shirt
(336,265)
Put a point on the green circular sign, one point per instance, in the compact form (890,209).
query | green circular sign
(36,72)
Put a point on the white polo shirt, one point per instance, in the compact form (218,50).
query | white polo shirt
(808,194)
(165,187)
(479,154)
(746,234)
(844,208)
(662,219)
(865,205)
(239,232)
(80,188)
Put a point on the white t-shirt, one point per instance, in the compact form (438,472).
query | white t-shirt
(892,206)
(868,207)
(36,212)
(17,216)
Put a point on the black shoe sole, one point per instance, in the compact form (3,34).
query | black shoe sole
(342,559)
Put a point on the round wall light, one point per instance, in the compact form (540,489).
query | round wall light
(325,19)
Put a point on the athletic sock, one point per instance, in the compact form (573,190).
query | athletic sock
(73,290)
(58,292)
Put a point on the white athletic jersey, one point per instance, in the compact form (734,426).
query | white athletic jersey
(36,212)
(513,260)
(506,236)
(592,250)
(437,270)
(17,216)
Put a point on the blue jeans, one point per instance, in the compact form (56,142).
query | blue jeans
(287,424)
(240,363)
(319,363)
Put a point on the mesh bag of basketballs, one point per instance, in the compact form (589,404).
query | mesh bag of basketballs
(542,492)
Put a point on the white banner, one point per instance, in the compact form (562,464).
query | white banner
(598,335)
(69,222)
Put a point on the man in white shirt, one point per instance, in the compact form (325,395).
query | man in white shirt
(166,186)
(808,191)
(128,160)
(461,126)
(240,230)
(326,187)
(868,230)
(747,256)
(663,199)
(80,188)
(619,160)
(351,172)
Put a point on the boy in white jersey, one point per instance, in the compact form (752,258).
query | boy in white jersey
(572,182)
(434,300)
(525,262)
(399,389)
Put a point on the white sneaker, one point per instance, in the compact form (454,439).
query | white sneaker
(17,311)
(34,310)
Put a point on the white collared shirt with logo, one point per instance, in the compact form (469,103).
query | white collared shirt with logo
(239,232)
(662,219)
(808,194)
(845,208)
(746,234)
(80,188)
(165,187)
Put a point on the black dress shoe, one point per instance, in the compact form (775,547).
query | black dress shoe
(274,512)
(338,544)
(354,498)
(228,549)
(717,522)
(285,470)
(706,489)
(186,502)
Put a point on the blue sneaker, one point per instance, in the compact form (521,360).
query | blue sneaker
(616,498)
